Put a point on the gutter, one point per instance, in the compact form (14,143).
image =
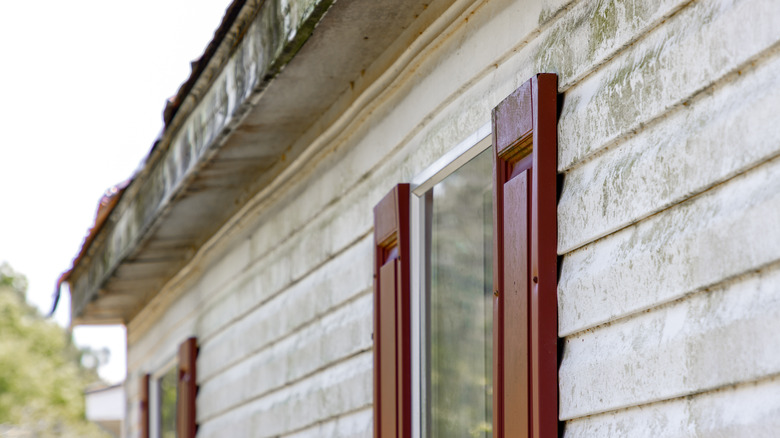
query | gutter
(200,67)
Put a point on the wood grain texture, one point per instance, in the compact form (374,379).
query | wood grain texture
(746,410)
(514,121)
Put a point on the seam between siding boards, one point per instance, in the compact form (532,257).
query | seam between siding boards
(535,34)
(318,156)
(205,338)
(691,395)
(406,140)
(293,282)
(329,419)
(639,36)
(293,332)
(723,282)
(695,95)
(700,94)
(228,409)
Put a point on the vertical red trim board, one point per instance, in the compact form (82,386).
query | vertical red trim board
(143,408)
(392,337)
(525,261)
(186,422)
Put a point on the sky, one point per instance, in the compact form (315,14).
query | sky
(83,84)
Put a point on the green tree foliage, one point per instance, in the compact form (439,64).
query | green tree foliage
(42,380)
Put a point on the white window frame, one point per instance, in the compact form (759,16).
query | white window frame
(462,153)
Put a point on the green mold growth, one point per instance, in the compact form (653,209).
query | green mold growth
(546,14)
(603,25)
(626,92)
(552,56)
(610,15)
(548,11)
(286,52)
(599,23)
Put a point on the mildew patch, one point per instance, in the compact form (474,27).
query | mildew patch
(593,31)
(725,232)
(695,47)
(689,152)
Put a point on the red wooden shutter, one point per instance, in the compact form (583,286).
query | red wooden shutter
(143,414)
(187,390)
(392,338)
(525,262)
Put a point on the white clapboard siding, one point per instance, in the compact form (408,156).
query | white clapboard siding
(750,410)
(343,388)
(720,134)
(341,334)
(593,32)
(330,234)
(285,313)
(358,424)
(694,48)
(718,337)
(724,232)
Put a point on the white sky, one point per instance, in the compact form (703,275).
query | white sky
(82,87)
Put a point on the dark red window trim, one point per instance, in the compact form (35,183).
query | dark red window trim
(186,422)
(525,362)
(143,399)
(392,324)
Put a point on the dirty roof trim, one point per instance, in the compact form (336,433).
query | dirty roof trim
(199,66)
(106,205)
(109,249)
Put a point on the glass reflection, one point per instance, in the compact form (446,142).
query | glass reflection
(168,385)
(460,315)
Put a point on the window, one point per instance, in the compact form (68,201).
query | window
(465,294)
(456,303)
(171,413)
(167,387)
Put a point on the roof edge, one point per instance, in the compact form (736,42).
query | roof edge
(161,178)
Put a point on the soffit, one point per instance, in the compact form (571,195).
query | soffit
(229,139)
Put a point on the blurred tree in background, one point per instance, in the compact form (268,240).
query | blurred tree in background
(42,380)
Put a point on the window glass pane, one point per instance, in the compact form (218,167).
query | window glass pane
(167,404)
(460,303)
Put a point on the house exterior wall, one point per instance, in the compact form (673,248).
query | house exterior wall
(669,276)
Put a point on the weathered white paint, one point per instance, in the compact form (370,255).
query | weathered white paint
(726,131)
(715,338)
(352,425)
(750,410)
(724,232)
(344,388)
(340,334)
(694,48)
